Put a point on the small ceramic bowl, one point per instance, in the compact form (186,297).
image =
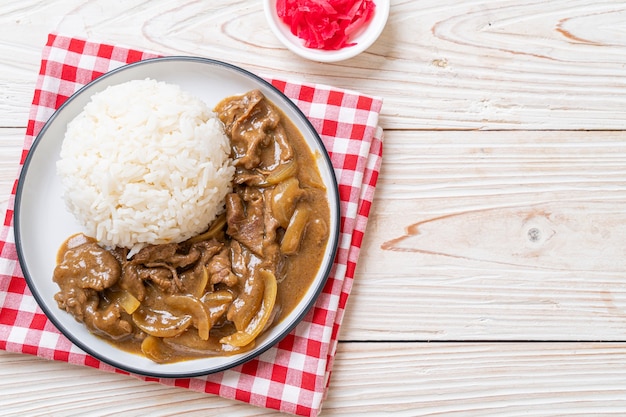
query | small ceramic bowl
(364,39)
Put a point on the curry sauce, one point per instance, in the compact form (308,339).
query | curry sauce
(215,293)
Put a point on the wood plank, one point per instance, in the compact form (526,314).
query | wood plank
(502,236)
(473,65)
(34,386)
(487,243)
(469,379)
(495,235)
(409,379)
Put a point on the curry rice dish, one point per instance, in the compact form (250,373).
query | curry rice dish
(213,293)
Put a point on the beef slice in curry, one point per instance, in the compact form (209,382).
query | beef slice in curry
(216,292)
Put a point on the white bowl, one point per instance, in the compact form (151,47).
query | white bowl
(42,222)
(364,39)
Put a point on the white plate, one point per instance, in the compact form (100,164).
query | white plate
(42,222)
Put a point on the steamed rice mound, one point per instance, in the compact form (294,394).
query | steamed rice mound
(145,163)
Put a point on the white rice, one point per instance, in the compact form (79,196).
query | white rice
(145,163)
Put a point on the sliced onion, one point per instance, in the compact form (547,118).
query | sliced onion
(160,323)
(258,323)
(154,349)
(194,282)
(194,307)
(125,300)
(282,173)
(217,304)
(189,343)
(284,199)
(297,225)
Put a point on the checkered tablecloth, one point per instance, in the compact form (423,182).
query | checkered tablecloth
(293,376)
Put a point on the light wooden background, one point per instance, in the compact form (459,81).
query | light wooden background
(492,279)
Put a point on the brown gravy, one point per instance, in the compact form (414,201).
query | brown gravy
(215,293)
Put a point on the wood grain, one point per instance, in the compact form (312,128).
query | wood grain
(495,236)
(503,236)
(460,379)
(491,280)
(478,379)
(439,64)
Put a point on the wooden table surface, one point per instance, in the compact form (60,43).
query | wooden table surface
(492,279)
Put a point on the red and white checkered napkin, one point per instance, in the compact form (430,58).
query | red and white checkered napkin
(294,375)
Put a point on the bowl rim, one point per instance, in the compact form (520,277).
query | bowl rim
(317,285)
(291,42)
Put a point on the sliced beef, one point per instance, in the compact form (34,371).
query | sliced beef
(155,253)
(74,300)
(248,302)
(132,282)
(207,249)
(220,269)
(108,321)
(253,125)
(245,221)
(88,266)
(246,127)
(160,274)
(85,270)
